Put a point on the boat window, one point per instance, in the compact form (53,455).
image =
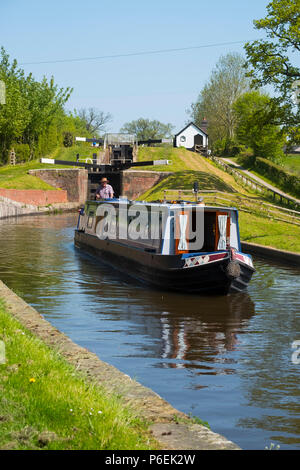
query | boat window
(216,232)
(90,218)
(90,222)
(150,233)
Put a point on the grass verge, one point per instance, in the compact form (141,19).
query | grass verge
(289,167)
(17,177)
(267,232)
(46,404)
(292,163)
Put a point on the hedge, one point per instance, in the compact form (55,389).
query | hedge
(285,180)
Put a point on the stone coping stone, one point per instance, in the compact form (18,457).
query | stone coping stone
(287,257)
(13,209)
(171,428)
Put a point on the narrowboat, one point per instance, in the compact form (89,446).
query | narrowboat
(181,246)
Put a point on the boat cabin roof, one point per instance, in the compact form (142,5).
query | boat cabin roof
(171,206)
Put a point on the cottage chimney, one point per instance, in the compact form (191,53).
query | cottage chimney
(204,125)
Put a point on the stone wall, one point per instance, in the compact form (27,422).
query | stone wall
(135,182)
(73,181)
(36,197)
(10,208)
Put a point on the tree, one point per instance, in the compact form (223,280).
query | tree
(254,129)
(33,115)
(14,114)
(215,102)
(95,120)
(145,129)
(271,60)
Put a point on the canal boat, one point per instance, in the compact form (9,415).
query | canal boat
(181,246)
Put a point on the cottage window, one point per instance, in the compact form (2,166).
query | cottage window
(182,138)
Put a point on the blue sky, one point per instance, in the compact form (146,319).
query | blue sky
(157,86)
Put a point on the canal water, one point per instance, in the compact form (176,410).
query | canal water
(227,360)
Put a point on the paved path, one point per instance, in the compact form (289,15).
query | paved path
(259,180)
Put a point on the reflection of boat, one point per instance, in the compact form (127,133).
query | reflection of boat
(189,340)
(183,247)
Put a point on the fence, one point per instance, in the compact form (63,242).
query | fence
(255,185)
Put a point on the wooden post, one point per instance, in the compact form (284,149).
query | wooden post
(12,157)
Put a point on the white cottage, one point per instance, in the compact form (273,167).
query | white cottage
(192,135)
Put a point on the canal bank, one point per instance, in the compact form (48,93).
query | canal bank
(12,209)
(226,360)
(268,252)
(171,428)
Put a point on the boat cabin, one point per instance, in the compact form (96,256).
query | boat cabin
(162,228)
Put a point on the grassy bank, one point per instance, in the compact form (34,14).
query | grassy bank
(17,177)
(292,163)
(284,176)
(263,231)
(45,403)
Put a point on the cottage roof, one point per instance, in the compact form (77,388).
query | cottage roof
(190,124)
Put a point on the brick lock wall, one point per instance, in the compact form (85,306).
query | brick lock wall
(36,197)
(73,181)
(135,183)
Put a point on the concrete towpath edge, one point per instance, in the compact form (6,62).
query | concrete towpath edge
(268,252)
(172,429)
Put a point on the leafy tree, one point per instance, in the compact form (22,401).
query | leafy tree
(254,128)
(45,104)
(33,115)
(94,120)
(272,64)
(146,129)
(215,102)
(14,114)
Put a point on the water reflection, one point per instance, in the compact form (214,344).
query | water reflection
(185,330)
(225,359)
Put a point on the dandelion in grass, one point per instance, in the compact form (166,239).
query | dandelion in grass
(32,380)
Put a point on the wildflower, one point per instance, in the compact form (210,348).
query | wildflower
(99,412)
(32,380)
(71,411)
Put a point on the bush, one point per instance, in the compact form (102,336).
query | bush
(22,152)
(284,179)
(226,148)
(68,139)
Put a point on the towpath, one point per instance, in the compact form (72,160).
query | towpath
(259,180)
